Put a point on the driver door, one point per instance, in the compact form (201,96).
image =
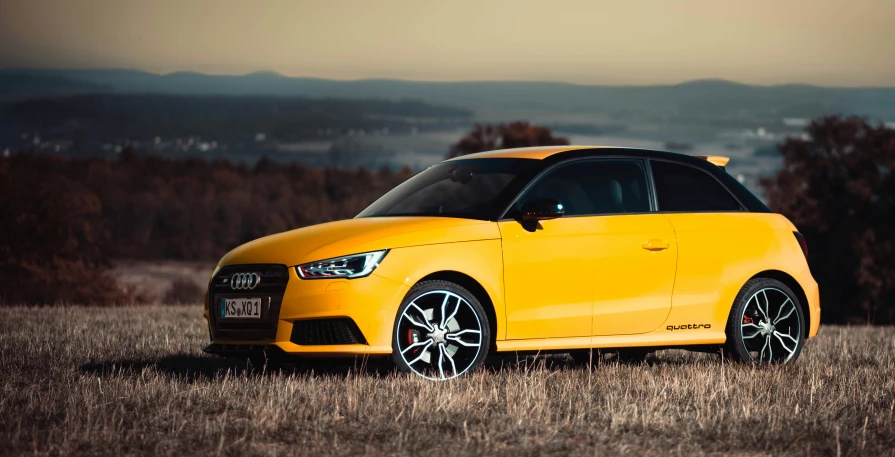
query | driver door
(597,270)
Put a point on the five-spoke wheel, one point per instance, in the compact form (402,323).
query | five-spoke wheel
(766,324)
(441,331)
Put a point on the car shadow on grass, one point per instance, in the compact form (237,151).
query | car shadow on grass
(581,360)
(205,367)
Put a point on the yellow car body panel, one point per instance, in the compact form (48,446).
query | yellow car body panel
(354,236)
(480,260)
(719,252)
(466,246)
(587,275)
(605,281)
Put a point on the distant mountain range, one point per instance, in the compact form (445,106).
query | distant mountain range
(710,101)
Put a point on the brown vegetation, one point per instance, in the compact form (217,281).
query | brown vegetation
(63,218)
(184,291)
(839,189)
(53,240)
(110,381)
(519,134)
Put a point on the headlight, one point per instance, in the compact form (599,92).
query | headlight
(350,266)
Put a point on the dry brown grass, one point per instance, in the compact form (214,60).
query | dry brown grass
(133,380)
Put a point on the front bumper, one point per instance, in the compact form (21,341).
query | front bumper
(310,314)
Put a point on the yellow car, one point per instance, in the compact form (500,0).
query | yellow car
(549,249)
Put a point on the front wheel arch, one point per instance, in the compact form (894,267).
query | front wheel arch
(452,324)
(473,286)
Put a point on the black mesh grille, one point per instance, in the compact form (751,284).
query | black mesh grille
(315,332)
(270,290)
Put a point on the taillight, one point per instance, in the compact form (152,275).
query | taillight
(802,243)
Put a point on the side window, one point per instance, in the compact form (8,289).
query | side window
(602,186)
(686,189)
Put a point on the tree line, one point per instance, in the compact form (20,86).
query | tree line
(65,218)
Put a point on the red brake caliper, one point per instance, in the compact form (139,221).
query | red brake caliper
(747,320)
(413,336)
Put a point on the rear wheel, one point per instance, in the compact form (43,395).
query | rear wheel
(766,325)
(441,331)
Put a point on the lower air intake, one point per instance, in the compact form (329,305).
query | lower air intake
(317,332)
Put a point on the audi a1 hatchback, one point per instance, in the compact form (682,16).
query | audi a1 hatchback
(536,249)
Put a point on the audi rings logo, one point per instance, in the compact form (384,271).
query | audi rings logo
(245,281)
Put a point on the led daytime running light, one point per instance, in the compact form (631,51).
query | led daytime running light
(348,267)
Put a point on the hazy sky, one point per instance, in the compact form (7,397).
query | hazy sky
(843,43)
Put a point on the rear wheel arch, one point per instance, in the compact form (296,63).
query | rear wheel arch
(793,285)
(474,287)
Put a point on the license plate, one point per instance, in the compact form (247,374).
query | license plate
(244,308)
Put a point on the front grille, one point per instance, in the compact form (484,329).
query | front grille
(315,332)
(270,290)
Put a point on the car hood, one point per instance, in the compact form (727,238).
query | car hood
(352,236)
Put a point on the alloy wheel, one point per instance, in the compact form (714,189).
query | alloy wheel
(439,335)
(771,326)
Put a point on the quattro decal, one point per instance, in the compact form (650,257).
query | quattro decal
(687,327)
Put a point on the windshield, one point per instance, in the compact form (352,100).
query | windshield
(472,188)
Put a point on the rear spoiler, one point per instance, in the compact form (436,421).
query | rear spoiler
(719,161)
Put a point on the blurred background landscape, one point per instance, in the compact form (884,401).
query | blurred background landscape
(133,159)
(394,123)
(140,140)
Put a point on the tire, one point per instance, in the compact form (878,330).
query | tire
(766,324)
(441,331)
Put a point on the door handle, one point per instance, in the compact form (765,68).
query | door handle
(655,245)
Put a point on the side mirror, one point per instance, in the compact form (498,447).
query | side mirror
(542,209)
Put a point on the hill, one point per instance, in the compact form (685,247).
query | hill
(711,100)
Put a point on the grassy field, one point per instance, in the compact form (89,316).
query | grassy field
(134,380)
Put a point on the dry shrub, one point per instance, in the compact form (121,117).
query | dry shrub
(52,240)
(183,292)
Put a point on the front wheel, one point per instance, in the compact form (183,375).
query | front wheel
(441,331)
(766,324)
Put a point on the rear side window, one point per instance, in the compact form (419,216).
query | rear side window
(594,187)
(680,188)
